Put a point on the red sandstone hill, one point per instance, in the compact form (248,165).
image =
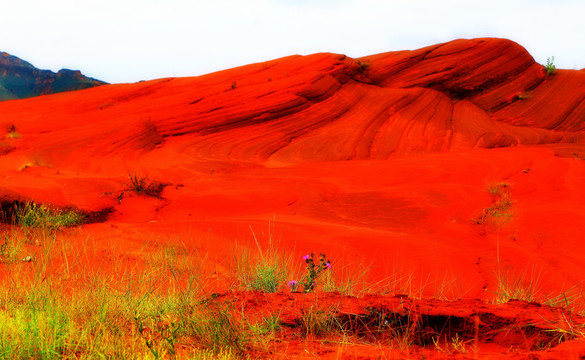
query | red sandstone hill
(386,159)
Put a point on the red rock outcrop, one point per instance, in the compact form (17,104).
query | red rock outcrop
(467,93)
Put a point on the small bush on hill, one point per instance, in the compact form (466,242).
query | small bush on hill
(550,66)
(143,186)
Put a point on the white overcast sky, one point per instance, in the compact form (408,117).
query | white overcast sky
(131,40)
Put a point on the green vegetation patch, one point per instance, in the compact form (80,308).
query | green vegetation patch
(40,216)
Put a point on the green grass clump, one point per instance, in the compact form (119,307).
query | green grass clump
(32,215)
(31,333)
(265,271)
(37,323)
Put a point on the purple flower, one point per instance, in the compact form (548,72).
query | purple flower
(328,266)
(306,257)
(293,285)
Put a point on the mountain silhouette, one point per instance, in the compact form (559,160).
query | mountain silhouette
(20,79)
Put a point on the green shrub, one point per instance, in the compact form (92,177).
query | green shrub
(550,66)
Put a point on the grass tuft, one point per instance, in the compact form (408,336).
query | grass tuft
(266,270)
(511,287)
(527,288)
(316,321)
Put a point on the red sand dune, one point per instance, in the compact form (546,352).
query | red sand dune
(384,159)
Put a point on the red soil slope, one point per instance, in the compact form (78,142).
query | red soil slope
(385,160)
